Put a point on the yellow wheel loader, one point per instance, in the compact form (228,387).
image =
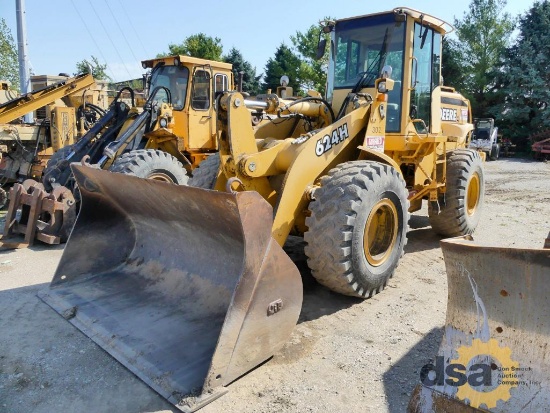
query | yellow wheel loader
(164,140)
(188,286)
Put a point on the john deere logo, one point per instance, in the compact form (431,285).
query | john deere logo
(483,372)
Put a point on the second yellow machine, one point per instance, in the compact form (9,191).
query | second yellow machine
(189,287)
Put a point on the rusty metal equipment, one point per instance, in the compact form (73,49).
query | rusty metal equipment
(37,214)
(46,211)
(25,148)
(494,353)
(187,319)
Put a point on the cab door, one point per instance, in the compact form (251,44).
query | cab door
(426,79)
(202,127)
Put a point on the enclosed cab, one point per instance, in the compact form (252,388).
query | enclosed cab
(423,116)
(193,85)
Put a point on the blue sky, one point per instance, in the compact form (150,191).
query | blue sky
(121,33)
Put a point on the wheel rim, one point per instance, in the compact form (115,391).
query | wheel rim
(380,232)
(161,176)
(472,196)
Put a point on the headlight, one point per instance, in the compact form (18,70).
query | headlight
(163,122)
(382,87)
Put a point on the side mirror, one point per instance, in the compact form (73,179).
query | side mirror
(321,46)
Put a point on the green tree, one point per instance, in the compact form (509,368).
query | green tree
(9,68)
(312,71)
(483,35)
(525,79)
(198,45)
(98,70)
(285,62)
(452,67)
(251,82)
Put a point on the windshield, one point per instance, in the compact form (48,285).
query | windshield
(483,125)
(175,78)
(366,45)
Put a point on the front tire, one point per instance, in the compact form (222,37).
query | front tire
(151,164)
(463,197)
(357,230)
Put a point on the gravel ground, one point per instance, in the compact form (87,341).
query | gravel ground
(345,355)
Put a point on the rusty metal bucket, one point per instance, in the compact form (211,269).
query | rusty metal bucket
(494,354)
(183,286)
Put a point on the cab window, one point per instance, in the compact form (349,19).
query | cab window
(173,78)
(201,90)
(221,84)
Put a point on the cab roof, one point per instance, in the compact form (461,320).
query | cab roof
(185,60)
(440,25)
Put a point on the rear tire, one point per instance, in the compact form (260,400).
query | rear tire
(495,152)
(464,195)
(151,164)
(357,230)
(204,176)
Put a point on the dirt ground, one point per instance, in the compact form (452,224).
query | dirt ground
(345,355)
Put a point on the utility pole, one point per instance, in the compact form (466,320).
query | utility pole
(24,71)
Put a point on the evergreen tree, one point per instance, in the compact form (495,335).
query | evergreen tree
(525,90)
(483,36)
(251,82)
(452,68)
(286,63)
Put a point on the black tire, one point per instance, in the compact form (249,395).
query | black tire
(151,164)
(3,198)
(204,176)
(464,195)
(352,197)
(495,152)
(58,156)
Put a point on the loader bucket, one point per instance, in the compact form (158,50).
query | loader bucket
(183,286)
(494,354)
